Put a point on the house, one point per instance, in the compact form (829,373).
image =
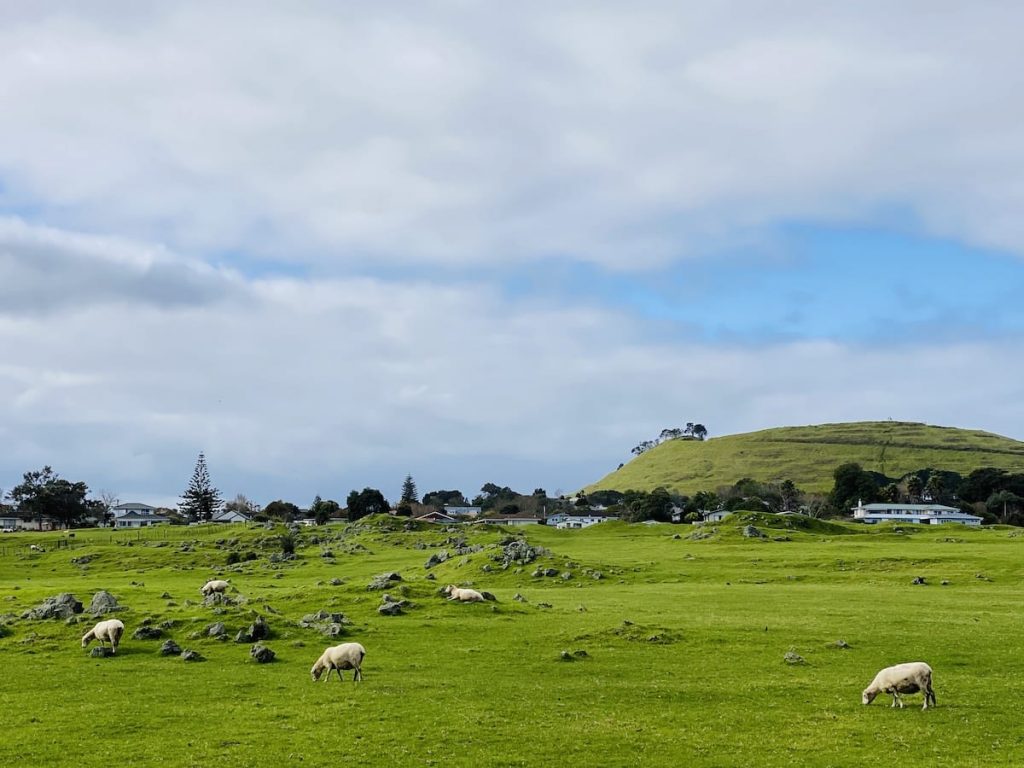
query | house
(132,508)
(581,519)
(519,518)
(924,514)
(231,516)
(714,515)
(436,516)
(8,524)
(135,520)
(455,511)
(41,524)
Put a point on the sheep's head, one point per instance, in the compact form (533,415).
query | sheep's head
(315,672)
(85,641)
(868,696)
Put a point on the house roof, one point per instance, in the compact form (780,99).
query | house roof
(230,513)
(133,505)
(148,518)
(877,507)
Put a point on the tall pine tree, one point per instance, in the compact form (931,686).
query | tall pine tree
(409,494)
(201,501)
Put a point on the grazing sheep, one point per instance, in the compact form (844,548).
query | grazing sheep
(339,657)
(217,585)
(109,630)
(463,595)
(911,677)
(36,548)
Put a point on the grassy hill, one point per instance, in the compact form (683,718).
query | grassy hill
(808,456)
(675,656)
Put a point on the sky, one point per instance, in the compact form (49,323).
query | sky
(330,244)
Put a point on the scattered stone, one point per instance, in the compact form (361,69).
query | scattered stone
(596,575)
(840,644)
(166,596)
(101,652)
(390,609)
(190,655)
(581,654)
(519,598)
(148,633)
(488,596)
(383,581)
(486,568)
(62,606)
(333,630)
(436,558)
(170,648)
(551,572)
(567,576)
(918,580)
(83,560)
(261,653)
(336,582)
(431,577)
(676,536)
(216,629)
(751,532)
(543,605)
(566,656)
(103,602)
(792,657)
(945,582)
(217,599)
(259,629)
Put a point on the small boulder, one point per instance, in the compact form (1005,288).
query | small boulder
(918,580)
(103,602)
(519,598)
(147,633)
(170,648)
(389,609)
(751,532)
(792,657)
(189,655)
(261,654)
(216,629)
(101,652)
(62,606)
(383,581)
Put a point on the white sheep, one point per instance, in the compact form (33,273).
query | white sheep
(105,631)
(36,548)
(463,595)
(911,677)
(339,657)
(217,585)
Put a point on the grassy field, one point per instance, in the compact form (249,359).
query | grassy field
(685,635)
(809,455)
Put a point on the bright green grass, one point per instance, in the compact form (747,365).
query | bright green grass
(483,684)
(809,455)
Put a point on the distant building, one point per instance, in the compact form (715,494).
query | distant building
(581,519)
(231,516)
(715,515)
(437,516)
(519,518)
(135,520)
(453,510)
(132,508)
(924,514)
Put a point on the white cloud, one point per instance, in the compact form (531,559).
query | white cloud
(458,133)
(296,387)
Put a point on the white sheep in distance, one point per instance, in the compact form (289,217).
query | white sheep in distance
(339,657)
(105,631)
(463,595)
(216,585)
(911,677)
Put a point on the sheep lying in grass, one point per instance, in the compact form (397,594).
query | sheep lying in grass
(339,657)
(911,677)
(106,631)
(463,595)
(217,585)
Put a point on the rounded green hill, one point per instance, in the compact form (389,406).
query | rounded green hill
(809,455)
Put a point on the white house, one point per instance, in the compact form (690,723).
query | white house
(436,516)
(456,511)
(231,516)
(135,520)
(715,515)
(8,524)
(132,508)
(925,514)
(583,519)
(520,518)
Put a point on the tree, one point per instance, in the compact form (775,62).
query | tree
(445,498)
(915,487)
(935,488)
(699,431)
(322,511)
(44,493)
(791,495)
(201,501)
(409,494)
(107,501)
(284,511)
(369,501)
(643,447)
(241,503)
(1006,506)
(852,485)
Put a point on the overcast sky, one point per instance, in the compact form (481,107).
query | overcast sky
(331,243)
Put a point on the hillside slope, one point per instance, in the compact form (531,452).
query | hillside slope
(808,456)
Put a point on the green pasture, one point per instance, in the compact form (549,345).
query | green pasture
(685,636)
(809,455)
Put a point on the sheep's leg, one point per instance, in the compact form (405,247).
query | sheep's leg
(357,675)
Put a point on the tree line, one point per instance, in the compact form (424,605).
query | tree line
(691,431)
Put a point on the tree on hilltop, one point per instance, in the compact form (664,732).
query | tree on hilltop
(200,501)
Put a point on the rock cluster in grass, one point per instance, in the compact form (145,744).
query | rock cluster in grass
(391,606)
(148,633)
(104,602)
(258,630)
(261,654)
(101,652)
(751,532)
(437,558)
(383,581)
(792,657)
(170,648)
(189,655)
(62,606)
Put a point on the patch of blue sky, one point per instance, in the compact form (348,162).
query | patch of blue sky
(857,285)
